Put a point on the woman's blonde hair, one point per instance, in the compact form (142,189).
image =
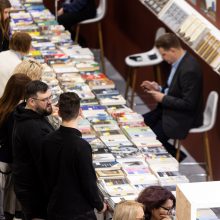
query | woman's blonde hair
(127,210)
(31,68)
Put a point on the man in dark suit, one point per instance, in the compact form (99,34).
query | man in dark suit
(74,11)
(180,103)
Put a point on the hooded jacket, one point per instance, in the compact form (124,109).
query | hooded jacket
(29,130)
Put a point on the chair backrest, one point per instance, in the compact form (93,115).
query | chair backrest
(210,111)
(160,31)
(101,10)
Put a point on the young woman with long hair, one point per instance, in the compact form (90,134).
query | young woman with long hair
(5,6)
(13,94)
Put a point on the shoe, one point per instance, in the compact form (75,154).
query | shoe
(172,150)
(182,156)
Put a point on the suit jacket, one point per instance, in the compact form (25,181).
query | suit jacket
(80,6)
(183,105)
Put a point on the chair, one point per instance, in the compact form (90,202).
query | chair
(149,58)
(209,118)
(100,14)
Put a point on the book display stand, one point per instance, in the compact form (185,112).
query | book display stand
(190,26)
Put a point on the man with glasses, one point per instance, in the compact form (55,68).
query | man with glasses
(31,126)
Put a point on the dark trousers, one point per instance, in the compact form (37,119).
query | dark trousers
(68,20)
(154,120)
(33,205)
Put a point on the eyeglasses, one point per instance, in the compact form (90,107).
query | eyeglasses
(169,210)
(45,99)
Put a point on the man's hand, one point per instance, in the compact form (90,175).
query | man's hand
(60,12)
(157,96)
(150,86)
(104,208)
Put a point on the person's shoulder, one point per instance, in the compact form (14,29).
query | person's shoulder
(83,144)
(52,137)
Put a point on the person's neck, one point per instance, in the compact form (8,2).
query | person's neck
(179,54)
(29,107)
(70,124)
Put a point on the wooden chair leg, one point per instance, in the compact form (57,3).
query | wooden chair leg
(177,146)
(101,46)
(128,80)
(208,158)
(77,33)
(134,77)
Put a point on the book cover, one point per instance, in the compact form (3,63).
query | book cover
(106,165)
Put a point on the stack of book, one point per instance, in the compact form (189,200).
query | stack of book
(138,173)
(131,119)
(77,53)
(21,18)
(87,65)
(158,156)
(117,186)
(81,88)
(101,84)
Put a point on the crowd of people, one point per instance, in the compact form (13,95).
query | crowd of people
(47,173)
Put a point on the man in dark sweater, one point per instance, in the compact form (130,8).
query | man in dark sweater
(29,129)
(67,166)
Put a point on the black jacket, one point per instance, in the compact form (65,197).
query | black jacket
(69,175)
(6,139)
(182,107)
(29,130)
(76,6)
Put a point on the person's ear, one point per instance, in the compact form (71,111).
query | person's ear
(31,102)
(81,113)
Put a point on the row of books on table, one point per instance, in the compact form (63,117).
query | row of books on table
(127,156)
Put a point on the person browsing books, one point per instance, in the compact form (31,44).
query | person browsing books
(158,202)
(70,179)
(12,96)
(30,127)
(5,7)
(180,102)
(20,44)
(129,210)
(74,11)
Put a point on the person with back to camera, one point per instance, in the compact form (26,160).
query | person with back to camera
(30,67)
(180,102)
(129,210)
(74,11)
(5,7)
(158,203)
(70,179)
(12,96)
(20,44)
